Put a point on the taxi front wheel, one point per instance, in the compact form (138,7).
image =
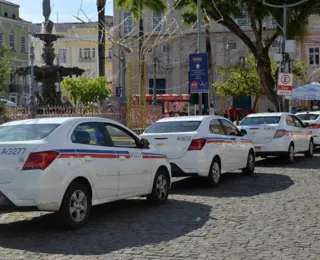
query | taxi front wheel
(249,170)
(160,188)
(75,208)
(309,153)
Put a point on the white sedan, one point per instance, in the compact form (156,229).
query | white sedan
(68,165)
(312,121)
(278,134)
(202,146)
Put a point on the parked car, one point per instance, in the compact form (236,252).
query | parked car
(205,146)
(68,165)
(278,134)
(312,121)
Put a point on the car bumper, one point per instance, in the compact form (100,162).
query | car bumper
(31,190)
(192,164)
(275,147)
(316,136)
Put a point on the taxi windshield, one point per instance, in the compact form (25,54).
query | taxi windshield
(26,132)
(263,120)
(173,127)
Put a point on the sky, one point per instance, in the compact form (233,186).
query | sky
(61,10)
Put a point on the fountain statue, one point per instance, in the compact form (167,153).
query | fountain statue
(49,74)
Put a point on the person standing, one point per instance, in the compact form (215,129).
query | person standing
(232,113)
(211,110)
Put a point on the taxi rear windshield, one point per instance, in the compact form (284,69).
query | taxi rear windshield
(173,127)
(265,120)
(308,117)
(29,132)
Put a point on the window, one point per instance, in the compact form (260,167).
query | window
(23,44)
(196,25)
(166,48)
(314,54)
(88,133)
(1,38)
(297,122)
(243,19)
(215,127)
(267,120)
(93,52)
(110,54)
(120,137)
(289,121)
(26,132)
(157,18)
(80,53)
(63,55)
(308,116)
(86,52)
(127,23)
(13,16)
(230,128)
(276,44)
(232,45)
(5,14)
(11,42)
(173,127)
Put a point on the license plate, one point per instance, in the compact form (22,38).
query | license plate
(258,148)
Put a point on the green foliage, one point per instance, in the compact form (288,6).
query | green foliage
(300,71)
(5,66)
(87,90)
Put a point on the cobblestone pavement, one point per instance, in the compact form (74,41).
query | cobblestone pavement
(271,215)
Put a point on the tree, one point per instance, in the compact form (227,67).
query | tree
(87,90)
(224,12)
(304,73)
(137,7)
(5,67)
(101,36)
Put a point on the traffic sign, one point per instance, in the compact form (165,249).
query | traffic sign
(198,73)
(285,84)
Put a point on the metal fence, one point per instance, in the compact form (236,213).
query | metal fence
(117,113)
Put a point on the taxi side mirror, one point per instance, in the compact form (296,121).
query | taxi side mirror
(144,143)
(243,132)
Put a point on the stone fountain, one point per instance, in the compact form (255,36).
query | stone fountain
(49,74)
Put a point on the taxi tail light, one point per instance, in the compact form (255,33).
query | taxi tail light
(40,160)
(197,144)
(280,133)
(314,126)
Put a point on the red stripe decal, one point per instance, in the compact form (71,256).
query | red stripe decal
(152,157)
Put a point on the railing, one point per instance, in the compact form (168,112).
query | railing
(87,59)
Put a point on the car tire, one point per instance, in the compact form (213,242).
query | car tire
(249,170)
(290,154)
(75,207)
(310,151)
(160,188)
(214,173)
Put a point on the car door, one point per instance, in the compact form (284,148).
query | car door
(238,155)
(218,142)
(304,135)
(295,133)
(134,171)
(99,160)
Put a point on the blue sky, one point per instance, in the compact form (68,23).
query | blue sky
(31,10)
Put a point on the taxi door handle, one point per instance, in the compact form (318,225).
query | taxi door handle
(88,158)
(122,158)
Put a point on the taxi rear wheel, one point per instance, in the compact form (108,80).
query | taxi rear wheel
(249,170)
(214,173)
(290,154)
(309,153)
(75,208)
(160,188)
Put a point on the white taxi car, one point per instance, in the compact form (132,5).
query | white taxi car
(312,121)
(202,146)
(278,134)
(68,165)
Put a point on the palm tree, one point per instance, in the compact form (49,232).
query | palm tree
(101,36)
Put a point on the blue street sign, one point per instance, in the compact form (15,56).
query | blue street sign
(198,73)
(119,91)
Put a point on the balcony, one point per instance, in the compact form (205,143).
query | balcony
(87,59)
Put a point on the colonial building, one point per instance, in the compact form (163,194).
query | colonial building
(168,62)
(14,34)
(78,47)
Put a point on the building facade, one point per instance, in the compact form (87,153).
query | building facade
(77,48)
(14,34)
(168,62)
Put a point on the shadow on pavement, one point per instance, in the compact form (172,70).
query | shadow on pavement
(233,185)
(114,226)
(301,162)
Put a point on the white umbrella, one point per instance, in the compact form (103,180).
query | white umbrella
(308,92)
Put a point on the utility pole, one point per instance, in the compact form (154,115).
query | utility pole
(199,37)
(154,101)
(32,100)
(284,30)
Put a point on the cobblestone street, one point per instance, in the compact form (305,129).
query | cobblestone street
(272,215)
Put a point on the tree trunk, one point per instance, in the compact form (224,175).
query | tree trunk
(255,103)
(209,51)
(141,38)
(101,36)
(141,58)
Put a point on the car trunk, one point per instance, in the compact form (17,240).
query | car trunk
(174,145)
(260,134)
(13,155)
